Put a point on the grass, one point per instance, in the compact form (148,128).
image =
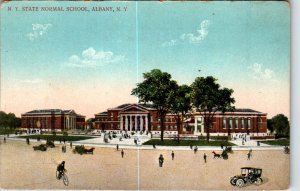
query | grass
(57,137)
(169,142)
(280,142)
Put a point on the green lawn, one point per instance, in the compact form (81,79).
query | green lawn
(280,142)
(169,142)
(57,137)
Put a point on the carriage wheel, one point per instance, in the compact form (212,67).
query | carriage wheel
(233,181)
(65,180)
(258,181)
(240,182)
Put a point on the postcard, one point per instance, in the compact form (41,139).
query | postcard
(145,95)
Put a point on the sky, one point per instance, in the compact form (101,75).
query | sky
(91,60)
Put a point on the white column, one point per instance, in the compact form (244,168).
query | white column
(146,119)
(135,122)
(130,122)
(126,122)
(121,122)
(141,123)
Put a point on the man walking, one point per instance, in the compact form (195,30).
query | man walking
(249,155)
(161,160)
(195,150)
(173,155)
(204,157)
(122,153)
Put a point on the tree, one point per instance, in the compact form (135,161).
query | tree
(90,122)
(208,98)
(157,89)
(280,125)
(181,105)
(3,119)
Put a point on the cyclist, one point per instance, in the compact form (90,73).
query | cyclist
(61,169)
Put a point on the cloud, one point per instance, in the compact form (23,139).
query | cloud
(91,58)
(38,30)
(169,43)
(34,81)
(200,35)
(257,71)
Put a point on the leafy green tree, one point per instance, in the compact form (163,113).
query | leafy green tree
(3,119)
(11,120)
(90,122)
(181,105)
(280,125)
(157,89)
(208,98)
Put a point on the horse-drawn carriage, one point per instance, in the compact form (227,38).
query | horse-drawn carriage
(80,149)
(41,147)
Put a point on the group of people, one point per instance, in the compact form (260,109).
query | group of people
(161,157)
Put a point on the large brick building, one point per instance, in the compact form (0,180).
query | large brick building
(143,117)
(52,119)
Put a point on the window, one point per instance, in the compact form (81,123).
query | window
(236,123)
(249,123)
(224,122)
(230,122)
(243,123)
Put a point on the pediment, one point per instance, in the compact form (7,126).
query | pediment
(134,109)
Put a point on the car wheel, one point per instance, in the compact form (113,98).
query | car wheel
(233,181)
(240,182)
(258,181)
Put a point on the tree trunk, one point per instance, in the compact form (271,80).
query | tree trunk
(207,133)
(162,128)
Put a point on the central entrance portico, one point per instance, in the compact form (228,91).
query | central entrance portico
(134,118)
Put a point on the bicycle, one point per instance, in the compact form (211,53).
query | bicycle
(64,177)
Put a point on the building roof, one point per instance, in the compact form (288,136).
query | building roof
(102,113)
(52,111)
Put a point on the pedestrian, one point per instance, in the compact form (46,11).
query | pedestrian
(117,147)
(154,147)
(59,140)
(27,140)
(222,146)
(195,150)
(191,146)
(161,160)
(64,141)
(258,143)
(204,157)
(4,140)
(243,143)
(71,144)
(122,153)
(249,155)
(173,155)
(250,151)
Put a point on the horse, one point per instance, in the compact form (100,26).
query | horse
(89,151)
(216,155)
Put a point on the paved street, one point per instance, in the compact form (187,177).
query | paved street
(23,168)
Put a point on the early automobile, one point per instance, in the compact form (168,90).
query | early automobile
(249,175)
